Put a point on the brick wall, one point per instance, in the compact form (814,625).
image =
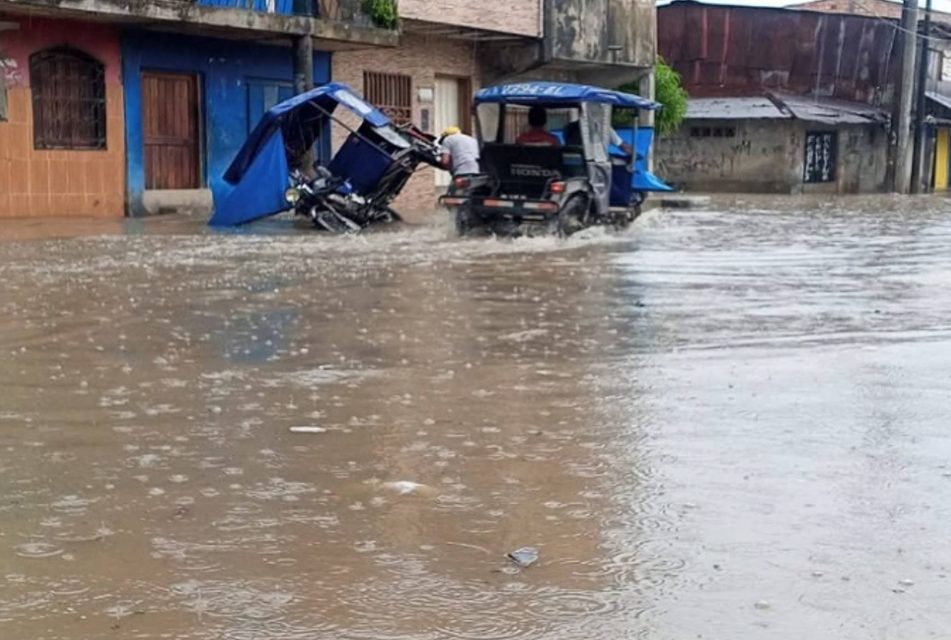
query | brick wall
(59,183)
(422,58)
(878,8)
(513,16)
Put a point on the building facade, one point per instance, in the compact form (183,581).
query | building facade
(190,101)
(61,151)
(803,111)
(138,107)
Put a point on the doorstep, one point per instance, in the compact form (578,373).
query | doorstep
(194,201)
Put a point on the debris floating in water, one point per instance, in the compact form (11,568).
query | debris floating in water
(524,556)
(308,429)
(403,487)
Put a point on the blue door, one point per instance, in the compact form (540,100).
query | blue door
(264,94)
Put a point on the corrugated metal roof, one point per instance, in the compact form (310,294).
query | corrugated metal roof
(826,111)
(733,109)
(728,51)
(944,101)
(784,106)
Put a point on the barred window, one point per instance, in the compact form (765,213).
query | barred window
(392,93)
(69,100)
(821,154)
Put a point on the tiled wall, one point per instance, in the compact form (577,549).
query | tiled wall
(60,183)
(422,58)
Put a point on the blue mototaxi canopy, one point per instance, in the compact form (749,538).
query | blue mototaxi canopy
(554,93)
(311,108)
(259,173)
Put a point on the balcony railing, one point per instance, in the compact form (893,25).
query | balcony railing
(350,11)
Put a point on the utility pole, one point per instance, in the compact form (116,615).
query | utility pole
(918,156)
(901,120)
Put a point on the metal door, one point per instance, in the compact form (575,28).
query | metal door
(170,131)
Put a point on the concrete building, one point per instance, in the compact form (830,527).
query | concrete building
(937,148)
(803,110)
(777,144)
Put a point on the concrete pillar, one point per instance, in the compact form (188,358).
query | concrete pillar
(303,64)
(646,87)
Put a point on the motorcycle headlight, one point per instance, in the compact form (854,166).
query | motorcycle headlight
(292,195)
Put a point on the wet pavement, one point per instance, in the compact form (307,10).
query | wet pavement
(730,423)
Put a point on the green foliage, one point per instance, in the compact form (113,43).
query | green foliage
(383,13)
(669,92)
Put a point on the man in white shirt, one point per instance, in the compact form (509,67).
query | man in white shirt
(460,153)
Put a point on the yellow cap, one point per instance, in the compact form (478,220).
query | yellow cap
(448,131)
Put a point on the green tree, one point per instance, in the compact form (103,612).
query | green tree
(669,92)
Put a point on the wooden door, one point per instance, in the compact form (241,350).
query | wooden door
(170,131)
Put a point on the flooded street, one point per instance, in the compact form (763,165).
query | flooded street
(729,423)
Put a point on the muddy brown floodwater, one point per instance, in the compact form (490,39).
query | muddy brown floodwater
(731,423)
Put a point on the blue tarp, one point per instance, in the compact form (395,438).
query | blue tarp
(260,192)
(259,172)
(555,93)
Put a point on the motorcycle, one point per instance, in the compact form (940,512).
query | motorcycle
(331,202)
(350,190)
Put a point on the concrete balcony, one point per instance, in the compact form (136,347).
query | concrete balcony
(333,24)
(600,42)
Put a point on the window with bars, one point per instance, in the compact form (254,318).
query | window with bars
(69,100)
(821,153)
(392,93)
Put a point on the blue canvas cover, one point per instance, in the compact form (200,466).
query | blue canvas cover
(301,120)
(260,192)
(360,163)
(259,172)
(554,93)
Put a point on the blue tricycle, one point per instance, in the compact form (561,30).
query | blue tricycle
(353,190)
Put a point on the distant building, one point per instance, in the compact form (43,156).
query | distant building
(937,149)
(782,101)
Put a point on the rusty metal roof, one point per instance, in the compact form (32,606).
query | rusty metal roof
(730,51)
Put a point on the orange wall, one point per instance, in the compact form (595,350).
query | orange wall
(59,183)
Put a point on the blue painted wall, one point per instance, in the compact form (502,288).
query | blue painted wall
(225,68)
